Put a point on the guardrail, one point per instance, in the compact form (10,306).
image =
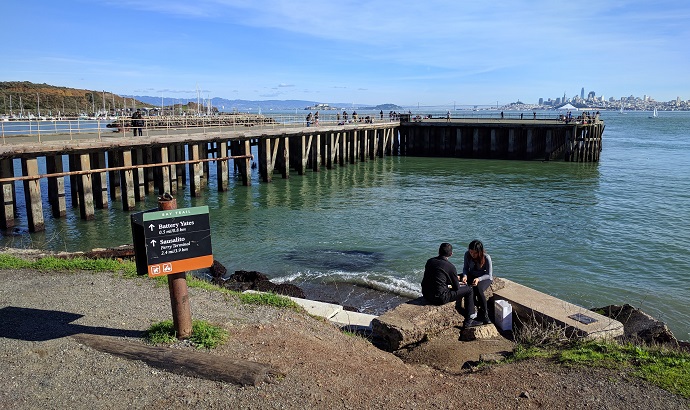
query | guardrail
(50,129)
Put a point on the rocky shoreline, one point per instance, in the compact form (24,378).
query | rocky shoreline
(639,327)
(53,321)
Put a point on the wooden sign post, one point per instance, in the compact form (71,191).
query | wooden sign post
(176,240)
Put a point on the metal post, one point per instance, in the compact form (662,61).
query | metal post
(177,285)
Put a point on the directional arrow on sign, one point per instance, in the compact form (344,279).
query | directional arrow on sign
(152,226)
(153,242)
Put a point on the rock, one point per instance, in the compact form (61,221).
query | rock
(491,357)
(247,276)
(286,289)
(413,321)
(639,326)
(243,280)
(217,270)
(479,332)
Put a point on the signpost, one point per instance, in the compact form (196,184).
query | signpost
(177,240)
(174,241)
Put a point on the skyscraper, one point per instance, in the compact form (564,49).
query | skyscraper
(582,93)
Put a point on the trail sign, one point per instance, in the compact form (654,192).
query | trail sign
(177,240)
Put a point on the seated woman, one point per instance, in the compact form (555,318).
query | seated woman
(477,272)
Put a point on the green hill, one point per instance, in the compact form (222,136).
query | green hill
(27,97)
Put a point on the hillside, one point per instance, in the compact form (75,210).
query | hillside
(27,97)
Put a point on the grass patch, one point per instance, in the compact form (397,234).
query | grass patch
(266,299)
(269,299)
(204,334)
(666,368)
(51,263)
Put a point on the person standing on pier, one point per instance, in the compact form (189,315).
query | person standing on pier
(477,272)
(441,284)
(137,123)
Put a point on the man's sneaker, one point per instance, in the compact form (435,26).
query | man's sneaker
(486,320)
(471,323)
(473,315)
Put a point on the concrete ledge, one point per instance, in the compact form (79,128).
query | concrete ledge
(352,320)
(315,308)
(529,304)
(332,312)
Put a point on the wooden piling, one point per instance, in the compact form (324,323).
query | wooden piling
(73,179)
(113,160)
(99,180)
(222,167)
(84,181)
(195,170)
(32,195)
(56,186)
(8,194)
(127,181)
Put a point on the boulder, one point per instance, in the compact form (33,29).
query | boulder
(286,289)
(413,321)
(639,326)
(479,333)
(247,276)
(410,322)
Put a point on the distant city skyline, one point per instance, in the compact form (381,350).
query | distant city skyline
(438,53)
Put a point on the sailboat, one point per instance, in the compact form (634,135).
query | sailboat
(621,110)
(654,114)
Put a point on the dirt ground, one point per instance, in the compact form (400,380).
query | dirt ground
(312,364)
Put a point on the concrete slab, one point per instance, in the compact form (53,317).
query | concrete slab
(577,321)
(353,319)
(321,309)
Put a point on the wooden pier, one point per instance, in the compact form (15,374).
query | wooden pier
(502,139)
(119,169)
(125,170)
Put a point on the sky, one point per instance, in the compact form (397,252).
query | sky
(426,53)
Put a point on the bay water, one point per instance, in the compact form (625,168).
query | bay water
(612,232)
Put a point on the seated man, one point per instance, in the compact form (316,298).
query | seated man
(441,284)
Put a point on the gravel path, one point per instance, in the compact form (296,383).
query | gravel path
(314,364)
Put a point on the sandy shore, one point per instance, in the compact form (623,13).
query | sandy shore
(312,363)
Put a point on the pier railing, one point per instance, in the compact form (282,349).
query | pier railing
(67,129)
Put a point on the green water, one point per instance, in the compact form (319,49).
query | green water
(592,234)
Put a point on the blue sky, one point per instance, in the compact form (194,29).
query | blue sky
(431,53)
